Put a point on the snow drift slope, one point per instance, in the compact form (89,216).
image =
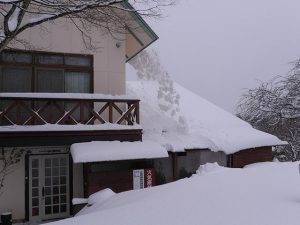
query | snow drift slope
(200,124)
(267,194)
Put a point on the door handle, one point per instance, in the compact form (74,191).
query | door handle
(43,192)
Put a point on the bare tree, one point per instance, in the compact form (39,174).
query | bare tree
(20,15)
(7,161)
(274,107)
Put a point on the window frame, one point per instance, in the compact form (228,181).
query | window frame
(34,65)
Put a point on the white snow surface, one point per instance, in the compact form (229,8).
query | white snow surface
(200,123)
(100,196)
(99,151)
(79,201)
(263,194)
(58,127)
(66,95)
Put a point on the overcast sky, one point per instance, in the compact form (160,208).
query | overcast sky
(217,48)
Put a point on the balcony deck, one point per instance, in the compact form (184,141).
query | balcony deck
(66,117)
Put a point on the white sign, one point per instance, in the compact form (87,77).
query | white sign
(138,179)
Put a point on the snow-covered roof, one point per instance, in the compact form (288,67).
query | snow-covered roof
(100,151)
(199,124)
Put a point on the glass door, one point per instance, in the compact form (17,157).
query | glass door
(48,187)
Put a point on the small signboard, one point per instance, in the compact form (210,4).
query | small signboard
(144,178)
(138,179)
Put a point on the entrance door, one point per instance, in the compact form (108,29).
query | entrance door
(48,186)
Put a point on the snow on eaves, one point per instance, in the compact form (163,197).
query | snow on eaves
(205,125)
(100,151)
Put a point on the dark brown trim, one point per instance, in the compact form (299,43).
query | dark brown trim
(57,138)
(175,166)
(70,184)
(27,187)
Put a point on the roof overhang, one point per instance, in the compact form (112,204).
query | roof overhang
(139,35)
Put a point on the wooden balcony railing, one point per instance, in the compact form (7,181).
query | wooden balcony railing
(65,109)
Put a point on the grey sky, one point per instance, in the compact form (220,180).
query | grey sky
(219,47)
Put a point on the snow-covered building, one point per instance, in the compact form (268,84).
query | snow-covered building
(200,132)
(67,108)
(59,94)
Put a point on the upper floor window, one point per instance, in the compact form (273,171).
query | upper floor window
(22,71)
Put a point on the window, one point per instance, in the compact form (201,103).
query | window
(45,72)
(22,71)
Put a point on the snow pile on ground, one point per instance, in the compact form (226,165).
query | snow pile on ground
(263,194)
(209,168)
(100,196)
(201,124)
(96,198)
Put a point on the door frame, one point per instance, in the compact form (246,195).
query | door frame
(27,182)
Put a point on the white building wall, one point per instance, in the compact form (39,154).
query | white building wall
(64,37)
(12,195)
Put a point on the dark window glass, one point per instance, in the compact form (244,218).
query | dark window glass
(17,57)
(55,180)
(48,210)
(35,202)
(55,190)
(35,172)
(50,80)
(63,189)
(55,171)
(63,180)
(15,80)
(63,208)
(50,59)
(35,163)
(35,182)
(63,171)
(35,211)
(48,181)
(56,209)
(63,199)
(48,201)
(48,162)
(55,199)
(47,190)
(55,162)
(35,192)
(47,172)
(78,61)
(63,162)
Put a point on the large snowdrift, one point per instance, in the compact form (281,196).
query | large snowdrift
(262,194)
(199,123)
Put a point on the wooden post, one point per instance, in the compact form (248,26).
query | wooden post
(110,111)
(175,166)
(137,112)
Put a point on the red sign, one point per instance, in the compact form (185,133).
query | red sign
(149,178)
(144,178)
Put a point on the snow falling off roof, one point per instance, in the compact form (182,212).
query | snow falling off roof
(99,151)
(205,124)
